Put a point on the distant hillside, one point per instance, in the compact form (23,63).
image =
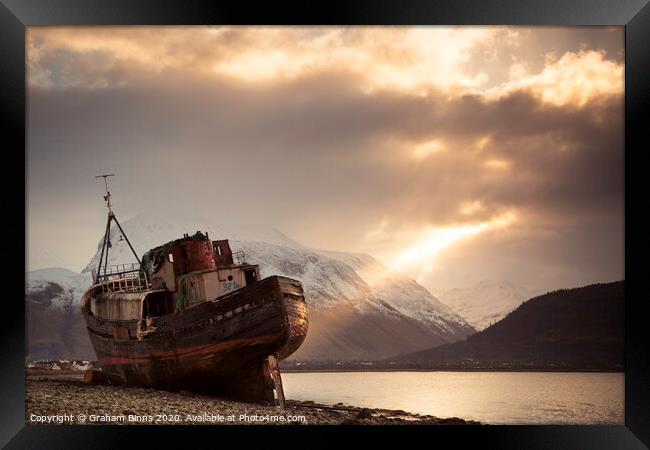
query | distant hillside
(581,328)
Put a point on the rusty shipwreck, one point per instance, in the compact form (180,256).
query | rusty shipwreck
(192,315)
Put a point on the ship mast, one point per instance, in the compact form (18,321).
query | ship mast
(107,238)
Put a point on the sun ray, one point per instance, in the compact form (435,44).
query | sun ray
(435,240)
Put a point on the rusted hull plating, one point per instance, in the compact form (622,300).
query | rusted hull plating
(220,347)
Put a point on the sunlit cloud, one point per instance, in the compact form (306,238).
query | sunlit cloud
(436,239)
(263,65)
(498,164)
(469,208)
(574,79)
(423,150)
(387,57)
(483,142)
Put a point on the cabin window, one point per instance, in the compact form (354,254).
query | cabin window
(171,258)
(229,277)
(219,250)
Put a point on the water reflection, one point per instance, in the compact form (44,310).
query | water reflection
(489,397)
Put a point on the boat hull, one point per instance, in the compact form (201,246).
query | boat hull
(219,347)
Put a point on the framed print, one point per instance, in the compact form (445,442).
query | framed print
(370,217)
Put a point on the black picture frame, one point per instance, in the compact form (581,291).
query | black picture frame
(16,15)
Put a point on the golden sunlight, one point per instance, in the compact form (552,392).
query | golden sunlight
(428,148)
(437,239)
(499,164)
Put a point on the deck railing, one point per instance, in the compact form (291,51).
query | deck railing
(122,278)
(239,258)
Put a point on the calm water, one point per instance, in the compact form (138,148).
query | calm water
(490,397)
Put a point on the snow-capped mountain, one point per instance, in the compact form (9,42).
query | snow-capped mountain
(486,302)
(72,285)
(359,309)
(397,292)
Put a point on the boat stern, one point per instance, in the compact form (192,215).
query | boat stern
(296,315)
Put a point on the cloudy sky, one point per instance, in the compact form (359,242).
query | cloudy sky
(454,154)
